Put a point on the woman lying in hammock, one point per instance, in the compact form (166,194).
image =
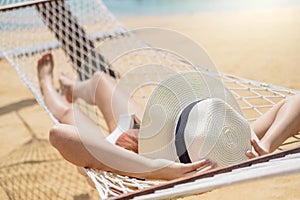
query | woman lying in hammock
(88,150)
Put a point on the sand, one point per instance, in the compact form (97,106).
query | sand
(262,45)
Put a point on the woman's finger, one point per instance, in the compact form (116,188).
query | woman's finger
(201,170)
(196,165)
(257,148)
(250,154)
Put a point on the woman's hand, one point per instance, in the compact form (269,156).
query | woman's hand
(129,140)
(258,150)
(171,170)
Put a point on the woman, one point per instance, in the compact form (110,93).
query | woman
(281,122)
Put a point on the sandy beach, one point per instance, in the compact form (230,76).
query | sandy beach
(262,45)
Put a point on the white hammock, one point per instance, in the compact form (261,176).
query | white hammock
(32,28)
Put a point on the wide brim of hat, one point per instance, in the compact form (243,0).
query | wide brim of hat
(163,108)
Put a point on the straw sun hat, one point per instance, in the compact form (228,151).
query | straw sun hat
(192,116)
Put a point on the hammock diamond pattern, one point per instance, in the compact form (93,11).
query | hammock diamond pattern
(83,40)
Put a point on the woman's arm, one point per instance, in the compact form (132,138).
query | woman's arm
(86,146)
(273,128)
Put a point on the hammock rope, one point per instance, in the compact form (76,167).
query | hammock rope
(72,30)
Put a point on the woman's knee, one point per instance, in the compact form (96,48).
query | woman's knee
(59,135)
(55,134)
(98,77)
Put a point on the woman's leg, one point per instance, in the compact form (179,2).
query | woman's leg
(85,146)
(65,137)
(102,155)
(64,112)
(280,123)
(102,90)
(56,104)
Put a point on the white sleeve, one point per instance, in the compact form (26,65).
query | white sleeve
(125,123)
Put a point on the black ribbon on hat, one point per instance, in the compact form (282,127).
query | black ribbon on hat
(180,145)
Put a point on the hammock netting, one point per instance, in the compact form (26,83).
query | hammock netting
(85,37)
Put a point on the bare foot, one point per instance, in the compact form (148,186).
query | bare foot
(67,86)
(45,69)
